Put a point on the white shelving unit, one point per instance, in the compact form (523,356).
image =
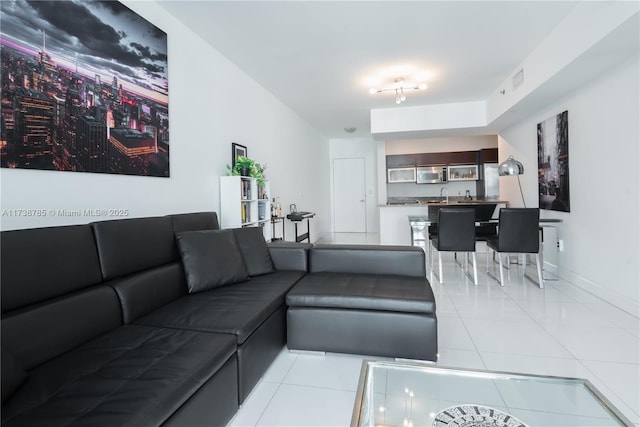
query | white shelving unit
(243,203)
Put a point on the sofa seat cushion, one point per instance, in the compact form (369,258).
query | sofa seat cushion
(13,374)
(363,291)
(132,376)
(237,309)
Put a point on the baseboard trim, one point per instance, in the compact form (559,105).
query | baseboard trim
(616,299)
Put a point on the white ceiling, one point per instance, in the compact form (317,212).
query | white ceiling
(314,55)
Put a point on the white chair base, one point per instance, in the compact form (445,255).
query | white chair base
(464,266)
(539,283)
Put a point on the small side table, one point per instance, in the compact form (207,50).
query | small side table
(274,221)
(300,216)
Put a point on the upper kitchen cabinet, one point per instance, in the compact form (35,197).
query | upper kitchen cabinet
(463,157)
(401,160)
(489,155)
(463,173)
(447,158)
(399,175)
(431,159)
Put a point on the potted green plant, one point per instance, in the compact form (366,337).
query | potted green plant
(258,173)
(244,166)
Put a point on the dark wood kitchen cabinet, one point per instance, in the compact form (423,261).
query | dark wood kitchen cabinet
(489,155)
(401,160)
(431,159)
(463,158)
(447,158)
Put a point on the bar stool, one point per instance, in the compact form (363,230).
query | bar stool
(456,233)
(518,234)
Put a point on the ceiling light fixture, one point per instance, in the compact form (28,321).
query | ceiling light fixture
(399,87)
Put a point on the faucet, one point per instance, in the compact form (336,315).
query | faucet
(447,194)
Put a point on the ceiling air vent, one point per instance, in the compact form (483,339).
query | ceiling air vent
(518,78)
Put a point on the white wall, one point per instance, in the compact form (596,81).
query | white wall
(458,115)
(602,232)
(359,148)
(212,104)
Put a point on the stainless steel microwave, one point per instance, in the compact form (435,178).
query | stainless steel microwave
(431,174)
(406,174)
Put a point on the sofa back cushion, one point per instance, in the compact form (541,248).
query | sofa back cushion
(290,255)
(43,263)
(211,258)
(195,221)
(141,293)
(127,246)
(140,260)
(254,250)
(369,259)
(44,331)
(52,299)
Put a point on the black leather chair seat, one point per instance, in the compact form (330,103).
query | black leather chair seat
(486,231)
(133,376)
(237,309)
(363,292)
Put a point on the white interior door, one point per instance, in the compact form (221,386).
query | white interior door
(349,196)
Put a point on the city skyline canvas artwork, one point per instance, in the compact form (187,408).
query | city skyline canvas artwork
(84,88)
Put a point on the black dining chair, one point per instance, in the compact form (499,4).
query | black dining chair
(456,233)
(517,234)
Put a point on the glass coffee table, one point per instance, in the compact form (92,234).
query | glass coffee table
(407,394)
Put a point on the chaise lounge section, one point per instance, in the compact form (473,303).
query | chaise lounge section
(372,300)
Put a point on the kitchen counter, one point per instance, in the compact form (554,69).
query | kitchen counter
(453,201)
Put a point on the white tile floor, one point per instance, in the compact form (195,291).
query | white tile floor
(559,330)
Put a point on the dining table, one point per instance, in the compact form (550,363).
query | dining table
(548,237)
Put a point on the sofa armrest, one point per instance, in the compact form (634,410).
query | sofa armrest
(289,255)
(368,259)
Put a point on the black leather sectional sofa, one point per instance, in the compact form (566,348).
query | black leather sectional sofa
(156,321)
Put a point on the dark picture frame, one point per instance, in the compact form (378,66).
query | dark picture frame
(237,150)
(553,163)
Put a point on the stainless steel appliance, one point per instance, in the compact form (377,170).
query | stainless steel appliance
(488,185)
(431,174)
(406,174)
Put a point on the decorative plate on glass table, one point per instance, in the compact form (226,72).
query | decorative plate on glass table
(474,416)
